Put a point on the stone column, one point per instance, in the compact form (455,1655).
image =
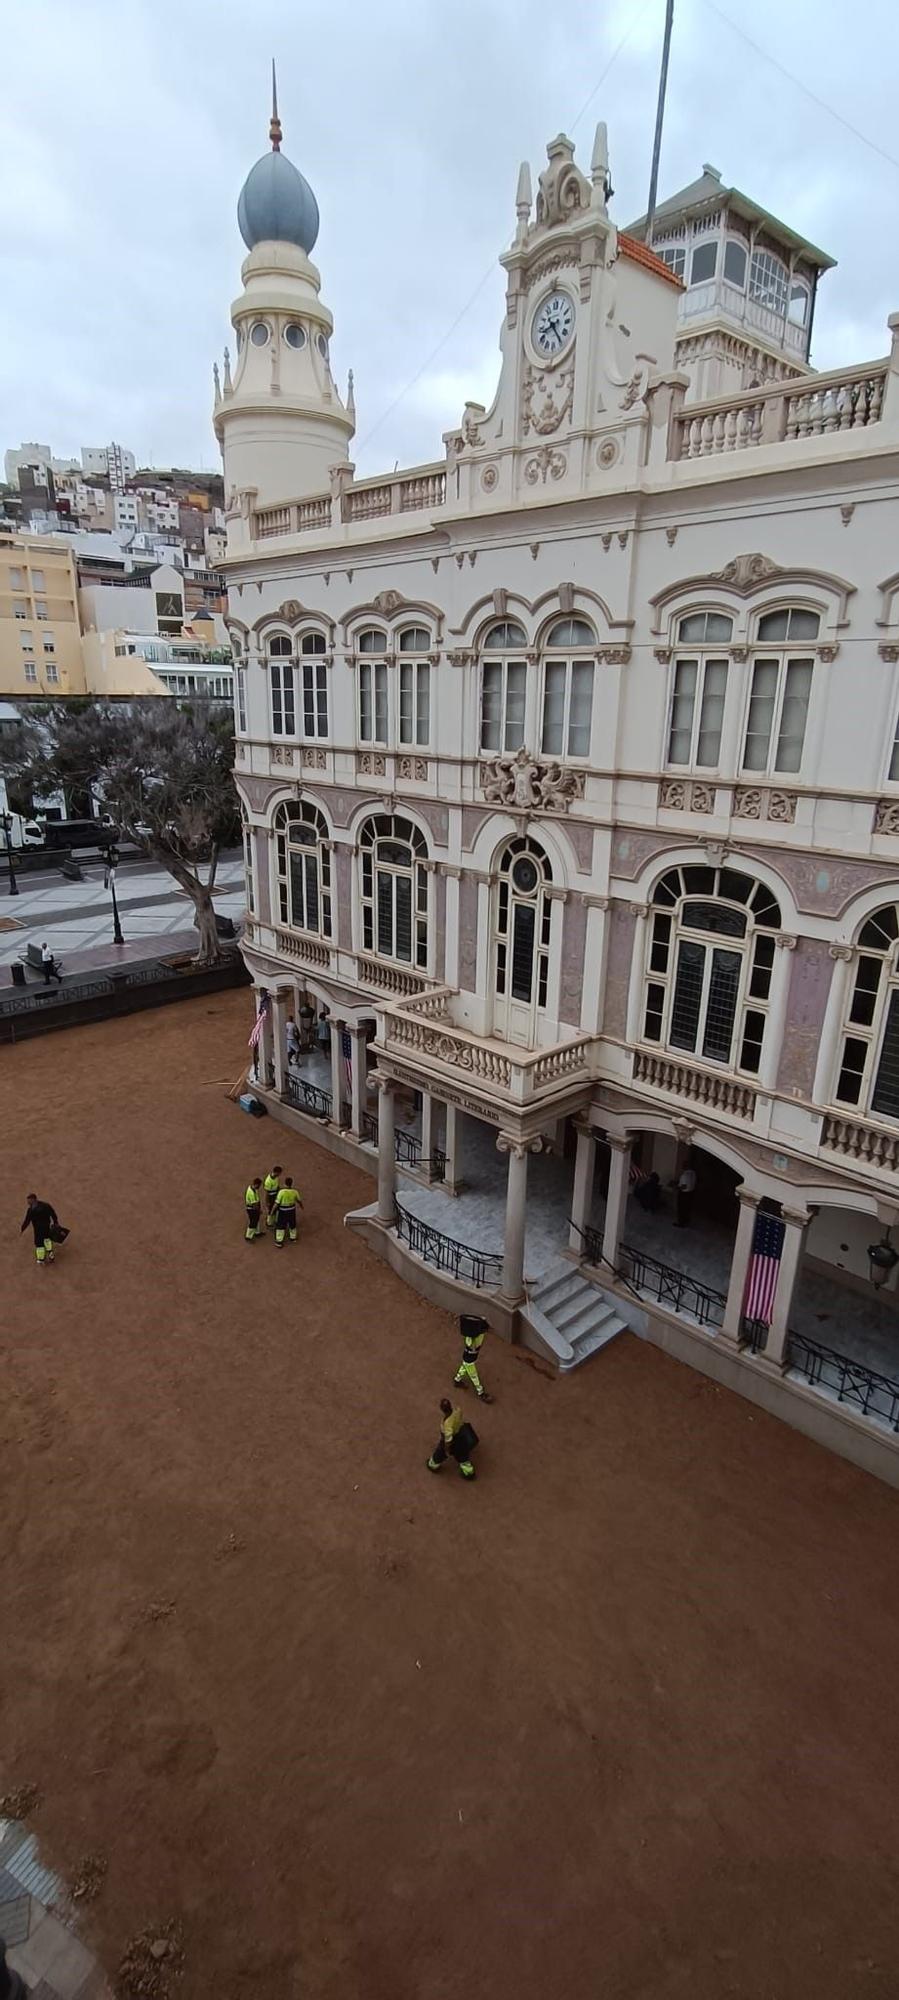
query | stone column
(279,1051)
(427,1131)
(796,1222)
(582,1195)
(386,1153)
(261,1069)
(516,1213)
(451,1148)
(739,1268)
(360,1047)
(337,1073)
(616,1200)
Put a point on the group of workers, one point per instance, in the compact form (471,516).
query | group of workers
(458,1438)
(282,1200)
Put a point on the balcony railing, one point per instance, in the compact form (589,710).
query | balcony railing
(856,1140)
(850,1381)
(389,978)
(307,1097)
(422,1028)
(699,1086)
(419,490)
(311,953)
(459,1260)
(849,399)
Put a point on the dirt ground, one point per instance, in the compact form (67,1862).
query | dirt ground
(617,1722)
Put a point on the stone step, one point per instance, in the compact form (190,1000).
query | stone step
(574,1317)
(556,1286)
(582,1314)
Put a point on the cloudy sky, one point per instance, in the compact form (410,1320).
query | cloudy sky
(128,126)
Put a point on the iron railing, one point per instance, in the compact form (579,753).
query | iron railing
(673,1288)
(459,1260)
(38,1001)
(370,1128)
(754,1335)
(874,1395)
(407,1148)
(308,1097)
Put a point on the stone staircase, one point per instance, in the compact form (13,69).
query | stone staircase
(570,1317)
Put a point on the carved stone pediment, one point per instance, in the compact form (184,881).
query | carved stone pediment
(527,784)
(746,572)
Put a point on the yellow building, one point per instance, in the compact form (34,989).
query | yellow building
(40,627)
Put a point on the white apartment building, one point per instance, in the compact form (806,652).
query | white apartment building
(570,773)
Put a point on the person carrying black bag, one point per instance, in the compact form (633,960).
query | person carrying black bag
(457,1440)
(46,1227)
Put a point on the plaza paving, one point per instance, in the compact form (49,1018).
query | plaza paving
(618,1719)
(76,917)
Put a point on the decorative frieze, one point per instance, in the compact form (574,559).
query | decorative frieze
(528,785)
(314,760)
(686,795)
(886,816)
(888,650)
(282,754)
(371,764)
(414,769)
(758,802)
(545,464)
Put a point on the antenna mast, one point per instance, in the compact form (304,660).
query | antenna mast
(660,116)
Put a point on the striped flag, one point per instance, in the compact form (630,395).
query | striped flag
(259,1023)
(346,1050)
(764,1267)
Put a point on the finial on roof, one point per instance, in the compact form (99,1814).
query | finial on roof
(227,374)
(523,198)
(350,395)
(215,377)
(274,130)
(600,173)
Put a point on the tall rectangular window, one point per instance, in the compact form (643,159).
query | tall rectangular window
(52,672)
(315,685)
(284,703)
(697,712)
(240,684)
(415,702)
(37,580)
(778,713)
(503,691)
(372,701)
(30,671)
(567,708)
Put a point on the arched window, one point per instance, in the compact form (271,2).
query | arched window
(521,936)
(304,868)
(394,890)
(568,689)
(503,687)
(313,651)
(869,1065)
(415,686)
(735,263)
(372,686)
(799,301)
(698,688)
(711,959)
(282,676)
(768,281)
(703,262)
(781,690)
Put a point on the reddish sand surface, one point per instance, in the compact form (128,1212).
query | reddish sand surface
(619,1719)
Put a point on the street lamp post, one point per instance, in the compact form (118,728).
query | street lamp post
(111,856)
(7,828)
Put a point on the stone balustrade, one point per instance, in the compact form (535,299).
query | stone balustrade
(422,1027)
(295,946)
(415,491)
(817,406)
(388,978)
(872,1145)
(698,1086)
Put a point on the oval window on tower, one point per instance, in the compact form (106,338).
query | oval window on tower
(295,334)
(322,345)
(259,333)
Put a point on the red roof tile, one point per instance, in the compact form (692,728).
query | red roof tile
(630,247)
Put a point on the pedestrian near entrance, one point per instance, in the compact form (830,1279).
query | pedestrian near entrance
(323,1031)
(44,1223)
(253,1199)
(473,1331)
(270,1189)
(286,1204)
(457,1440)
(293,1041)
(683,1198)
(49,966)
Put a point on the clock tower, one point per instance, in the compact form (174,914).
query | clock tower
(278,416)
(590,321)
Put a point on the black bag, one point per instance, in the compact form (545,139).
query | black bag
(57,1233)
(464,1441)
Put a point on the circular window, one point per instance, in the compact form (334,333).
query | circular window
(322,345)
(524,876)
(259,333)
(295,334)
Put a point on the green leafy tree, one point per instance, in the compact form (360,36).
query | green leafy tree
(163,772)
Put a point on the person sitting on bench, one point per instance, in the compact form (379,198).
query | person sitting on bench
(49,966)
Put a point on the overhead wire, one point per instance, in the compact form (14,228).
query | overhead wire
(447,336)
(806,88)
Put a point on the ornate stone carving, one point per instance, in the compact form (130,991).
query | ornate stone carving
(370,764)
(671,536)
(609,453)
(828,653)
(542,410)
(747,803)
(315,760)
(634,390)
(388,601)
(847,512)
(781,806)
(886,816)
(460,656)
(702,798)
(744,572)
(489,478)
(291,609)
(622,539)
(562,188)
(663,655)
(505,1143)
(413,767)
(843,951)
(739,653)
(785,941)
(888,651)
(680,795)
(545,462)
(281,754)
(527,785)
(613,656)
(563,260)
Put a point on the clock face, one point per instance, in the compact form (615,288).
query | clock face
(553,324)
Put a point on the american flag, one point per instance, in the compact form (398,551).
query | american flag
(259,1023)
(764,1267)
(346,1050)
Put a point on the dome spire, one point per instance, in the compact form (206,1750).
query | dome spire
(274,130)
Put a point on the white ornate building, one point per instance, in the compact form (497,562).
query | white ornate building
(570,771)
